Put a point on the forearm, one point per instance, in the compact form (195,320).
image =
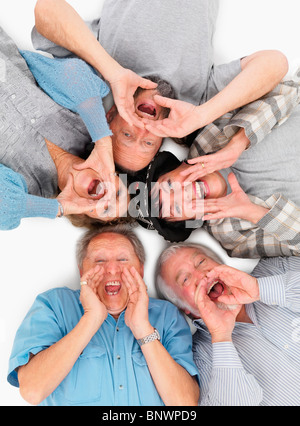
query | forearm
(173,383)
(60,23)
(261,72)
(46,370)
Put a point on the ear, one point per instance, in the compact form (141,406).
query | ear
(110,115)
(141,270)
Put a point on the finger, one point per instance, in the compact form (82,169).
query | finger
(81,166)
(147,84)
(164,102)
(157,130)
(233,182)
(197,160)
(138,279)
(129,281)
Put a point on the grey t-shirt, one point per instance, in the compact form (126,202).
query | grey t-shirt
(273,165)
(27,117)
(169,38)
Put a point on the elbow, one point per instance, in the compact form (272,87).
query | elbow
(279,63)
(31,395)
(41,11)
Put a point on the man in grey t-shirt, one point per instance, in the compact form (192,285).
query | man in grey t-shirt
(166,38)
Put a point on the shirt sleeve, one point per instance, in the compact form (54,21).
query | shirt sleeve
(73,84)
(257,118)
(177,340)
(279,282)
(276,234)
(39,330)
(230,384)
(16,203)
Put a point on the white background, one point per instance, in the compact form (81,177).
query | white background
(40,254)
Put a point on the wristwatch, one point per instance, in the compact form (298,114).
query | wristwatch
(150,338)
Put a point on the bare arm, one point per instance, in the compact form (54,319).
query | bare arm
(261,72)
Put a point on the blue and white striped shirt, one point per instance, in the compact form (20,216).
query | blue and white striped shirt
(261,366)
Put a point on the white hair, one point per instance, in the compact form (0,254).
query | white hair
(164,290)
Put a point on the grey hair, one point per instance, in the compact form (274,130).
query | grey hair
(121,229)
(164,291)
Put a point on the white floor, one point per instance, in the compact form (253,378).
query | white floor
(40,253)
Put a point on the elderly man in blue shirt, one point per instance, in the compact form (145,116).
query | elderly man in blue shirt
(109,343)
(247,342)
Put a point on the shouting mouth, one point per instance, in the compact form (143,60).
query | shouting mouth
(148,109)
(215,290)
(96,189)
(112,288)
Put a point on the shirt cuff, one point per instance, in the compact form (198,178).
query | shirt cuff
(272,290)
(225,355)
(93,115)
(40,207)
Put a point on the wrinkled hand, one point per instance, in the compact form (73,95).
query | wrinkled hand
(210,163)
(220,322)
(244,287)
(183,119)
(237,204)
(92,305)
(136,315)
(72,203)
(123,85)
(101,160)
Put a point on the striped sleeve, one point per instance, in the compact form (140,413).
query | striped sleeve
(230,384)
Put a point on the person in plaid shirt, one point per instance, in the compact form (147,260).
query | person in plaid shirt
(251,206)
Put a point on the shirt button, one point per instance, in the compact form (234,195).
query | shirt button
(118,357)
(286,346)
(121,387)
(13,96)
(32,120)
(117,329)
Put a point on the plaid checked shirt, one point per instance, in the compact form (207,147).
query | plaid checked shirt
(278,232)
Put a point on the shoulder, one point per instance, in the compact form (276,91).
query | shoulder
(59,296)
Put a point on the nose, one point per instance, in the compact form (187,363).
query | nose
(112,267)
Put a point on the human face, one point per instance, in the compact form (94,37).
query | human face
(181,200)
(134,148)
(183,271)
(113,252)
(88,184)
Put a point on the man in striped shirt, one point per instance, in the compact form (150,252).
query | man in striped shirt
(247,340)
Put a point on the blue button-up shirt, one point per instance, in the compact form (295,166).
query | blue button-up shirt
(112,369)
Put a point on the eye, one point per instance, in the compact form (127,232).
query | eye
(123,259)
(149,143)
(184,280)
(127,135)
(199,262)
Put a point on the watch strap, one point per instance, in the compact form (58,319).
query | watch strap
(150,338)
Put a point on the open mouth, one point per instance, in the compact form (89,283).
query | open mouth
(200,189)
(96,188)
(215,290)
(112,287)
(148,109)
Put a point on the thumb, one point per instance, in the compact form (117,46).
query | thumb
(80,166)
(147,84)
(164,102)
(233,182)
